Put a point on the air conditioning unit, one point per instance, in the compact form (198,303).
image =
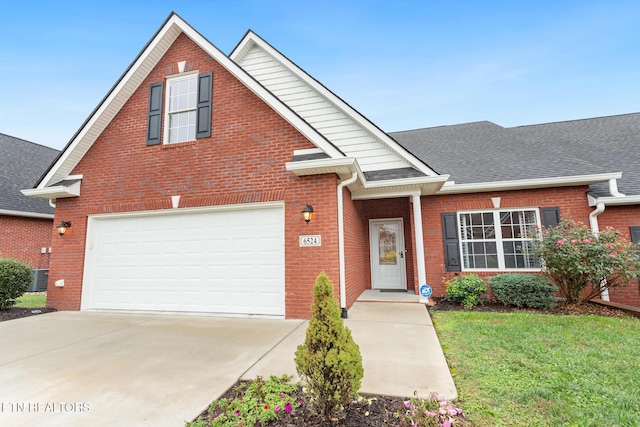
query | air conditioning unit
(40,279)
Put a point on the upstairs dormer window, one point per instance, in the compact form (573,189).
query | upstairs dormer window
(186,105)
(182,97)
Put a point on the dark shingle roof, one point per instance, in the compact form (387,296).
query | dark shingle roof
(485,152)
(21,165)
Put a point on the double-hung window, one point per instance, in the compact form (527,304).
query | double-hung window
(185,110)
(181,111)
(498,239)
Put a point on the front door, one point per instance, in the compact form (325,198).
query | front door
(386,238)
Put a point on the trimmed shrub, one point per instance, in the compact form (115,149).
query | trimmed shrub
(466,289)
(15,278)
(329,362)
(523,290)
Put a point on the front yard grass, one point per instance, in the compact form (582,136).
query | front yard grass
(31,301)
(521,369)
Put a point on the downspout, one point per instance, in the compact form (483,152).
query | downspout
(343,281)
(595,229)
(52,203)
(417,226)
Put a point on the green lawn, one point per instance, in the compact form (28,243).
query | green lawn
(518,369)
(31,301)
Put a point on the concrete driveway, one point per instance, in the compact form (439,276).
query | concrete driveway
(109,369)
(104,369)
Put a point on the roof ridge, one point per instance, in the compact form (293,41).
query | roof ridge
(573,120)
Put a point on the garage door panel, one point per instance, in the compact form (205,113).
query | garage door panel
(226,261)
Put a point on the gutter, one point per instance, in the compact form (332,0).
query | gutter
(521,184)
(26,214)
(343,281)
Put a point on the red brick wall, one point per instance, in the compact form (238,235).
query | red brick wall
(242,162)
(23,239)
(571,200)
(621,218)
(358,272)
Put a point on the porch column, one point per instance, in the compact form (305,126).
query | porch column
(417,226)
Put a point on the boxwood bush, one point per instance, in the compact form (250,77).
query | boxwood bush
(466,289)
(15,278)
(523,290)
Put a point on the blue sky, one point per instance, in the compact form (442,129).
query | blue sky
(403,64)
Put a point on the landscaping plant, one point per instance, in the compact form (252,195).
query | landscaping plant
(329,362)
(523,290)
(433,411)
(255,403)
(466,289)
(583,265)
(15,278)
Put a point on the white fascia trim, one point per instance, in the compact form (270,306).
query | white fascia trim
(285,112)
(55,192)
(615,201)
(521,184)
(162,41)
(401,182)
(26,214)
(343,166)
(251,37)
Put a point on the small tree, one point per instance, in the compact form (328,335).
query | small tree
(15,278)
(329,362)
(583,265)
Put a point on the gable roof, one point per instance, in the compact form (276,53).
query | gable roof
(21,163)
(336,120)
(133,77)
(410,173)
(482,152)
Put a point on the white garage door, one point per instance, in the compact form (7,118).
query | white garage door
(227,260)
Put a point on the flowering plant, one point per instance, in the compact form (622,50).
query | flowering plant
(431,411)
(583,265)
(255,403)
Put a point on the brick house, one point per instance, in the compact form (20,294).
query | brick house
(26,224)
(185,189)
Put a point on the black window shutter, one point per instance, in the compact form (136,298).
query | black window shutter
(550,216)
(203,120)
(450,238)
(154,129)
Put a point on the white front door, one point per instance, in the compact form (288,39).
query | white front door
(386,238)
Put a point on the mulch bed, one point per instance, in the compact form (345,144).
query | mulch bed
(18,312)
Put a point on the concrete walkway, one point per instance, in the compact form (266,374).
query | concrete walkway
(111,369)
(400,351)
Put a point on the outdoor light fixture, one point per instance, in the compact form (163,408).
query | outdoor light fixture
(306,213)
(62,227)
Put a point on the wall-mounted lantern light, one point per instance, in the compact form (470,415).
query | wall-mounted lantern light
(62,227)
(306,213)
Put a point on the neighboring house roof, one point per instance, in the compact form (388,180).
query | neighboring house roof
(485,152)
(21,164)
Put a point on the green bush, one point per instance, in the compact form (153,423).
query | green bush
(466,289)
(523,290)
(15,278)
(329,362)
(583,265)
